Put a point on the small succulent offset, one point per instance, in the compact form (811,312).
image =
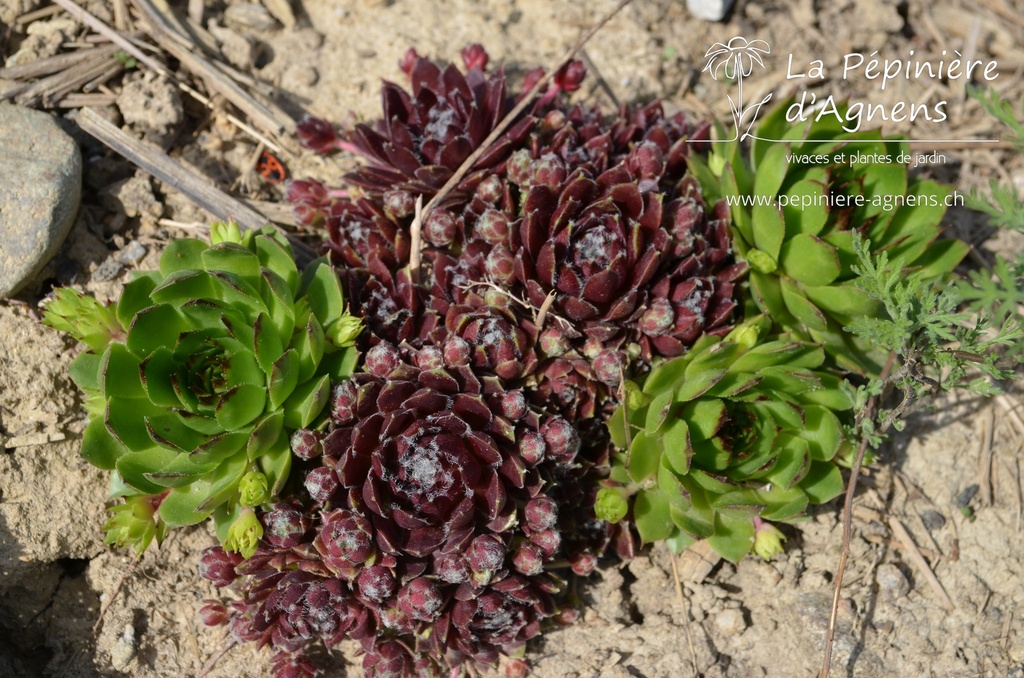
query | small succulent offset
(196,378)
(737,432)
(797,228)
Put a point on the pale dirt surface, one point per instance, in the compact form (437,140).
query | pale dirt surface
(754,619)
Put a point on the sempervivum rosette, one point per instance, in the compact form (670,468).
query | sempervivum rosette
(437,452)
(622,267)
(736,432)
(426,134)
(595,244)
(449,471)
(206,367)
(431,528)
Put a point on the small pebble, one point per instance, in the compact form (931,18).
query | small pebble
(124,650)
(710,10)
(892,582)
(730,622)
(132,253)
(108,270)
(933,520)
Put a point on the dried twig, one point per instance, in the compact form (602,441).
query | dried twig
(36,15)
(542,313)
(122,21)
(523,104)
(195,10)
(416,233)
(1011,410)
(131,48)
(47,66)
(985,458)
(686,612)
(72,78)
(115,592)
(851,488)
(166,35)
(194,185)
(920,563)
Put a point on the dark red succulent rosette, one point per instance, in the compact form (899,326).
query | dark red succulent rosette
(435,455)
(427,133)
(595,244)
(567,385)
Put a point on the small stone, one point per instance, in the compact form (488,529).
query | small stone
(932,519)
(236,48)
(249,16)
(134,197)
(892,583)
(730,622)
(710,10)
(124,650)
(302,74)
(40,190)
(132,253)
(108,270)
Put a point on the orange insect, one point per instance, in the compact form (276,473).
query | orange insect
(271,168)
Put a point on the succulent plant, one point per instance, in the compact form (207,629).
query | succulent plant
(737,432)
(199,375)
(426,134)
(797,229)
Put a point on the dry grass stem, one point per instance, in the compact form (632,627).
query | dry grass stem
(189,182)
(133,49)
(523,104)
(1011,411)
(122,21)
(47,66)
(76,100)
(985,457)
(55,86)
(920,563)
(684,608)
(195,10)
(542,313)
(416,233)
(35,15)
(164,33)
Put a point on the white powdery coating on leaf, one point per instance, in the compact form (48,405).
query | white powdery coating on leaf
(440,118)
(593,247)
(424,470)
(491,333)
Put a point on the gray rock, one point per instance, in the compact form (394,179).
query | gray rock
(40,190)
(892,583)
(711,10)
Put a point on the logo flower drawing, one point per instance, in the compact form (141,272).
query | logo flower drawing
(736,60)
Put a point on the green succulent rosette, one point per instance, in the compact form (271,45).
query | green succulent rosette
(197,376)
(735,433)
(796,205)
